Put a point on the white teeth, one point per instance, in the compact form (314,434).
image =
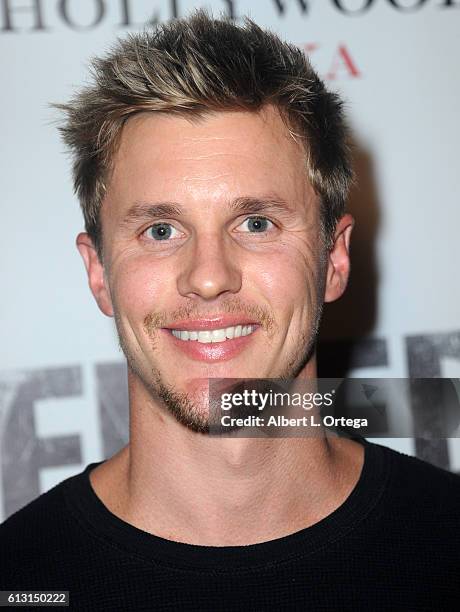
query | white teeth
(218,335)
(204,336)
(215,335)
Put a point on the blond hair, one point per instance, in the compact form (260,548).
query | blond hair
(197,65)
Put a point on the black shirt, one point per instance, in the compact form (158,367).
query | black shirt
(394,544)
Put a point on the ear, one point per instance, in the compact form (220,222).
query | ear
(95,271)
(338,266)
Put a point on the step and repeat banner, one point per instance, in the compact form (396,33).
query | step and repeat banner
(63,396)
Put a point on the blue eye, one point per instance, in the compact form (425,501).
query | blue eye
(161,231)
(257,224)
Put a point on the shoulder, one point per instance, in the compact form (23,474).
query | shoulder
(37,532)
(419,489)
(31,524)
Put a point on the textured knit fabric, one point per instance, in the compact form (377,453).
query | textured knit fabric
(394,544)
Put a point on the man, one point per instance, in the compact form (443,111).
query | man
(212,170)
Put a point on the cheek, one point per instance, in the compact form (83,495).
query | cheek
(288,277)
(139,285)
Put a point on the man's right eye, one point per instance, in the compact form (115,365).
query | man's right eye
(161,231)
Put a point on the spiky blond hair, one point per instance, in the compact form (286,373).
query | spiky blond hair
(197,65)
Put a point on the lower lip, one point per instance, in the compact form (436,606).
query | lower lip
(212,351)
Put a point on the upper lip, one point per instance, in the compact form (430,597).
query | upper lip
(210,323)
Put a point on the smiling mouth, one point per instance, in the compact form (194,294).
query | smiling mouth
(213,336)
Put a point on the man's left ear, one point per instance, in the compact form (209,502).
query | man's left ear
(338,263)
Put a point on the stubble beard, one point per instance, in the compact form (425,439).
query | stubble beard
(196,416)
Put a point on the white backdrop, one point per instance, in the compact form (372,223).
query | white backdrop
(62,397)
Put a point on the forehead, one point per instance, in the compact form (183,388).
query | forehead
(220,155)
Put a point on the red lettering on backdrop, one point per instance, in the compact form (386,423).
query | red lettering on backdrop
(310,47)
(343,59)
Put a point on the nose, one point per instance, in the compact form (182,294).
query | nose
(210,269)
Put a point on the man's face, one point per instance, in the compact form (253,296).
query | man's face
(214,262)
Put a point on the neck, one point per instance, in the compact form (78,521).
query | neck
(196,489)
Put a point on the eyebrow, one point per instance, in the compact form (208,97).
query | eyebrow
(145,211)
(251,205)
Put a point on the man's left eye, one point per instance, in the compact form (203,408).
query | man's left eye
(256,224)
